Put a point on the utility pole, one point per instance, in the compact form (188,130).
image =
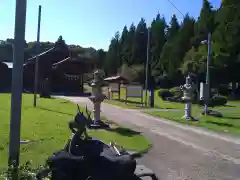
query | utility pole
(17,78)
(209,42)
(147,67)
(37,57)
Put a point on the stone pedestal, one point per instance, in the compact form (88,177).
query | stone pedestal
(97,98)
(188,108)
(188,89)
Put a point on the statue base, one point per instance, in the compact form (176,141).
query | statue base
(190,118)
(97,98)
(98,125)
(212,113)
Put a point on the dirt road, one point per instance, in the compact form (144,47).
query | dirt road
(179,152)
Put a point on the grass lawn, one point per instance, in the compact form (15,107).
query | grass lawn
(47,127)
(229,123)
(134,103)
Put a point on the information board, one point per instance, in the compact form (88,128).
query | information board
(134,91)
(113,87)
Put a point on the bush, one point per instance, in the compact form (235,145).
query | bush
(175,99)
(224,90)
(164,94)
(216,100)
(177,92)
(25,171)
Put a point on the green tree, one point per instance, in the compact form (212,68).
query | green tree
(182,44)
(173,28)
(205,23)
(112,62)
(139,48)
(60,43)
(125,46)
(168,51)
(195,61)
(130,44)
(158,39)
(101,56)
(227,40)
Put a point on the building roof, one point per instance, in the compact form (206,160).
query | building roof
(9,64)
(116,79)
(62,61)
(75,60)
(31,60)
(41,54)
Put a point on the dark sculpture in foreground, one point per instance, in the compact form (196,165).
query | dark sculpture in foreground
(85,157)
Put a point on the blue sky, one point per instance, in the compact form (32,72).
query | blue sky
(90,22)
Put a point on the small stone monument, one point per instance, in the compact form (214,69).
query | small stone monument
(188,89)
(97,98)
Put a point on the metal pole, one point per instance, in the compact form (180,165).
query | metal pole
(17,74)
(147,66)
(208,72)
(37,52)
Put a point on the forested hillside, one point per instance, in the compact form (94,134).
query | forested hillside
(176,47)
(6,50)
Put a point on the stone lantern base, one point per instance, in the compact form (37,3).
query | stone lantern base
(188,108)
(97,123)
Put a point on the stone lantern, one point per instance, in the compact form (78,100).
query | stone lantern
(97,98)
(188,91)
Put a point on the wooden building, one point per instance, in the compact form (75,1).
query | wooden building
(64,73)
(5,76)
(68,74)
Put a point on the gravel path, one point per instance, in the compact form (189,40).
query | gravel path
(179,152)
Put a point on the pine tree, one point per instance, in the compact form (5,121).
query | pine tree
(182,43)
(158,39)
(205,23)
(113,62)
(125,47)
(173,28)
(227,39)
(128,46)
(101,56)
(168,51)
(139,48)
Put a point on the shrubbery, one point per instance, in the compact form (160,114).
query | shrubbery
(175,95)
(216,100)
(177,92)
(164,94)
(25,172)
(224,90)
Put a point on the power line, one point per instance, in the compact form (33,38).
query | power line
(176,8)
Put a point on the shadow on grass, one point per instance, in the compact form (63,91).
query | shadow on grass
(81,94)
(220,124)
(228,105)
(231,117)
(124,131)
(127,101)
(50,110)
(47,97)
